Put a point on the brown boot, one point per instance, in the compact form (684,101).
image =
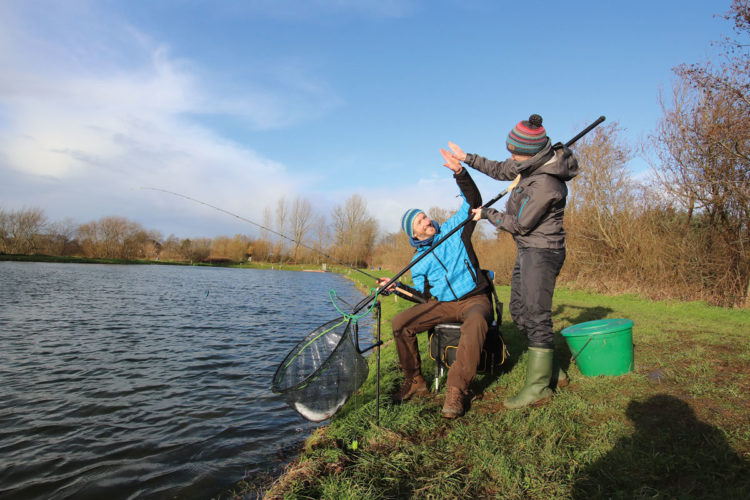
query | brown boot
(413,386)
(454,402)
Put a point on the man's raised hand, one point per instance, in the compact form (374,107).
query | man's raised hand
(451,161)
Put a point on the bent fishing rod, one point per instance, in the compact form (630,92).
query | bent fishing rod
(274,232)
(369,298)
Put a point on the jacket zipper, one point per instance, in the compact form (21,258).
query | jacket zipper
(447,282)
(471,271)
(523,205)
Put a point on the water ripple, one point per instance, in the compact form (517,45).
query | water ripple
(131,382)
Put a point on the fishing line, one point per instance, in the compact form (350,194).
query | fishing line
(262,227)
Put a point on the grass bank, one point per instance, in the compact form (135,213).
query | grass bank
(677,427)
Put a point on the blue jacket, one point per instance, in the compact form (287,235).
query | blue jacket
(451,271)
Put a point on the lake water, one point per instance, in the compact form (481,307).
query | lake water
(148,381)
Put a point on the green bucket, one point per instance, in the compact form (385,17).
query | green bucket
(602,347)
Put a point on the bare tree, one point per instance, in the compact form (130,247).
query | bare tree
(233,249)
(703,144)
(393,251)
(354,231)
(603,194)
(440,214)
(282,213)
(117,238)
(171,249)
(21,231)
(322,236)
(196,250)
(61,237)
(5,240)
(300,221)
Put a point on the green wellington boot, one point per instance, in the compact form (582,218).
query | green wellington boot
(538,376)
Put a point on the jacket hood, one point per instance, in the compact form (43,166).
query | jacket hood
(554,160)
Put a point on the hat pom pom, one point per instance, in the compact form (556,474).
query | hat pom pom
(535,121)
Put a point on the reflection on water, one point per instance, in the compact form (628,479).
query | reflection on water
(148,381)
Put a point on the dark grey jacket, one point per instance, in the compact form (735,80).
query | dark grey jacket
(535,209)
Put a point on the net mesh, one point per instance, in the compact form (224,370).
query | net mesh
(320,374)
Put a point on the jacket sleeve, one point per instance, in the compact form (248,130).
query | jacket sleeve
(468,188)
(499,170)
(472,199)
(535,204)
(493,216)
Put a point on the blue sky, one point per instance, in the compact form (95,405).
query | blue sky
(238,103)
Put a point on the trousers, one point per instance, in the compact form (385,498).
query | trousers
(474,313)
(531,289)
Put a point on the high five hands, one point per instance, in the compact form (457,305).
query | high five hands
(458,153)
(451,161)
(453,158)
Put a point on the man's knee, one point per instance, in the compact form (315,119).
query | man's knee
(398,323)
(476,321)
(401,328)
(475,327)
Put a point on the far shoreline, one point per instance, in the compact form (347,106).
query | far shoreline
(317,268)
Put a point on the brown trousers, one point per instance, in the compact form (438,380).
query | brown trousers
(474,313)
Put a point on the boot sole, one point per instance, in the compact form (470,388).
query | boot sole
(535,404)
(451,415)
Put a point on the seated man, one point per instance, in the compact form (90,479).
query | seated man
(449,283)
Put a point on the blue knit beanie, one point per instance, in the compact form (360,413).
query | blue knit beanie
(408,219)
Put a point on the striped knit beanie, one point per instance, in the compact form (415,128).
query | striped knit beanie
(528,137)
(408,219)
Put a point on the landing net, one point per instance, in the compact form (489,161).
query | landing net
(320,374)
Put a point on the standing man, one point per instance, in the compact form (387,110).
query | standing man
(451,288)
(534,216)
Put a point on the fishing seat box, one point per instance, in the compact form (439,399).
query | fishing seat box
(443,345)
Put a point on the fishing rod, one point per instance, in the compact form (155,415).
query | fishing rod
(367,299)
(401,290)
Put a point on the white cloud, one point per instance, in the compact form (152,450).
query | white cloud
(76,140)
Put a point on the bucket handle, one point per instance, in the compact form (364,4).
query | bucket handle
(573,358)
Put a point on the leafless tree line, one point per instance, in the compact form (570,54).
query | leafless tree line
(294,233)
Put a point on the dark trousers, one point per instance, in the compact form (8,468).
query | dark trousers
(531,289)
(474,314)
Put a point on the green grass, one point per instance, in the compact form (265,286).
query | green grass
(676,427)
